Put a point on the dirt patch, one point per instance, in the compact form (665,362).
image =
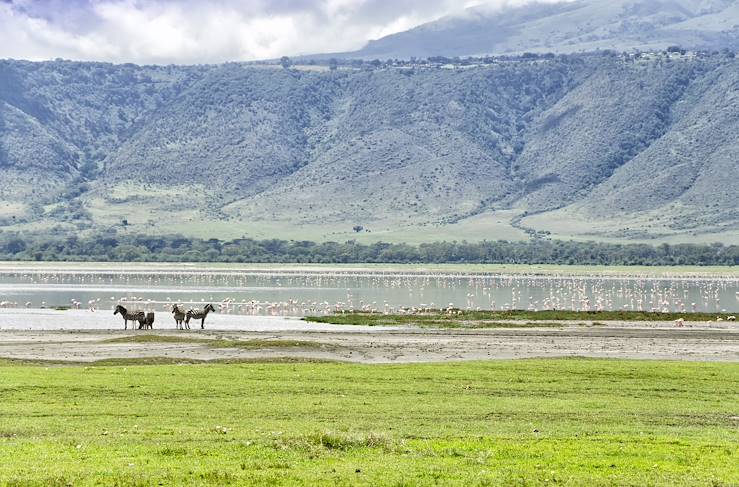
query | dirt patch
(249,344)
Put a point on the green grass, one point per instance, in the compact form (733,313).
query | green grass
(531,422)
(254,344)
(487,319)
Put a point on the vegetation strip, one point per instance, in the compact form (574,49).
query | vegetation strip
(176,248)
(534,422)
(494,319)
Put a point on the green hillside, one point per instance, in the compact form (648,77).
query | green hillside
(586,146)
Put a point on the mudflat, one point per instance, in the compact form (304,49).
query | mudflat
(244,338)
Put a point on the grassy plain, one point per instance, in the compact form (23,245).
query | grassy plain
(649,227)
(532,422)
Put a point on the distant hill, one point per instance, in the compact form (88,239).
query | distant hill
(584,146)
(567,27)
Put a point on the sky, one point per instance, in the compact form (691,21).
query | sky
(201,31)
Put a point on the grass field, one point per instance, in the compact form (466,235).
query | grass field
(649,227)
(533,422)
(498,319)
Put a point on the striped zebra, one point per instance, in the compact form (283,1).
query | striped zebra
(198,315)
(149,325)
(139,316)
(179,313)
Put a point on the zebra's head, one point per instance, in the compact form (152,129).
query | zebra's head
(174,308)
(119,309)
(209,307)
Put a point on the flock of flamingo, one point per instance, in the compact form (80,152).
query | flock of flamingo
(295,293)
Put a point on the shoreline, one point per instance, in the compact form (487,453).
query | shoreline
(288,339)
(498,269)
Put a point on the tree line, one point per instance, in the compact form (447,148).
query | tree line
(176,248)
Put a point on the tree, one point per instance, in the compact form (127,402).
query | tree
(357,228)
(286,62)
(333,64)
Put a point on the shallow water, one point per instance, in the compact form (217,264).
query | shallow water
(76,320)
(299,292)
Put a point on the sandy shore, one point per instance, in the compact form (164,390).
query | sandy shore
(80,336)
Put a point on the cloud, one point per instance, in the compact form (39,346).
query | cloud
(193,31)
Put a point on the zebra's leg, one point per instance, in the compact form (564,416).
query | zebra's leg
(202,324)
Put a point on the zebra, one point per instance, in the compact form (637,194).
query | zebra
(139,316)
(198,315)
(179,313)
(149,325)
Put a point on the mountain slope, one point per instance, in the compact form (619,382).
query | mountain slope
(426,146)
(566,27)
(692,165)
(59,120)
(585,146)
(237,129)
(599,126)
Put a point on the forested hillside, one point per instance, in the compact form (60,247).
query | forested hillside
(591,146)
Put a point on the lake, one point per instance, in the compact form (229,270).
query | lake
(297,291)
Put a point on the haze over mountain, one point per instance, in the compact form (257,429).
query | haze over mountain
(566,27)
(583,146)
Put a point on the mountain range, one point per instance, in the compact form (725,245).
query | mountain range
(566,27)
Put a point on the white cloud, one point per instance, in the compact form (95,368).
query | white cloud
(192,31)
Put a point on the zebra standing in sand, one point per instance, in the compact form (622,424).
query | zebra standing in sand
(198,315)
(179,313)
(139,316)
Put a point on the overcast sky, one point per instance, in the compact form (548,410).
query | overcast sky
(200,31)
